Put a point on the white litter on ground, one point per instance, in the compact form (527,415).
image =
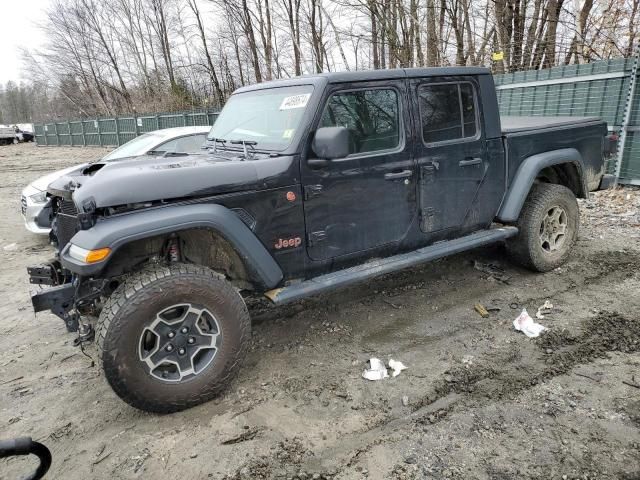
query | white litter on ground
(378,371)
(544,309)
(11,247)
(525,324)
(396,366)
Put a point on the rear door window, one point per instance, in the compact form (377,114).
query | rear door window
(447,112)
(371,116)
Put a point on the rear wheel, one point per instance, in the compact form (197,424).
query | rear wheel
(547,228)
(171,337)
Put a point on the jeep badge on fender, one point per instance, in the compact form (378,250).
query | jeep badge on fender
(288,243)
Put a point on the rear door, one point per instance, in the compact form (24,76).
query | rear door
(367,199)
(450,152)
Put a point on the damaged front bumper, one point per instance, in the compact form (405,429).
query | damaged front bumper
(69,295)
(60,301)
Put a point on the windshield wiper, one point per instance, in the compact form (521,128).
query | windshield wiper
(165,153)
(244,144)
(215,141)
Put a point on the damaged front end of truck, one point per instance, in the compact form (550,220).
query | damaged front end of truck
(70,296)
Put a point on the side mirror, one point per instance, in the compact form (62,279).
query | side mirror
(330,143)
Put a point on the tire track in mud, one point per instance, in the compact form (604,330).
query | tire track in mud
(506,376)
(607,332)
(499,377)
(492,381)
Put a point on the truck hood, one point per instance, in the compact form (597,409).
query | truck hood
(152,178)
(43,182)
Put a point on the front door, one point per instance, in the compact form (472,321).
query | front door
(367,199)
(451,153)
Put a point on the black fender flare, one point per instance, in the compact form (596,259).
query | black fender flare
(526,174)
(122,229)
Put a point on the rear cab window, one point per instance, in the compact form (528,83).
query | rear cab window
(372,117)
(448,112)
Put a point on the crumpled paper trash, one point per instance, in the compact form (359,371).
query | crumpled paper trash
(525,324)
(396,366)
(378,371)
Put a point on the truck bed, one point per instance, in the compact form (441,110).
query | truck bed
(7,132)
(527,136)
(519,124)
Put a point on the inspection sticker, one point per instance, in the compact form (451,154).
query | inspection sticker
(295,101)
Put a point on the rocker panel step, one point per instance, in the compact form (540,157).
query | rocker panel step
(377,267)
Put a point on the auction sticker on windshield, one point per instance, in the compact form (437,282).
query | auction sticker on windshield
(295,101)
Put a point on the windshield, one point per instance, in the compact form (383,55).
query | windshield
(268,117)
(138,146)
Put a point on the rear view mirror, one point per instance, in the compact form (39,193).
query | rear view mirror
(331,142)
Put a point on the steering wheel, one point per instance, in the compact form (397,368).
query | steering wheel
(26,446)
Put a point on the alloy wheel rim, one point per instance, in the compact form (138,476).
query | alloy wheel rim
(180,342)
(553,229)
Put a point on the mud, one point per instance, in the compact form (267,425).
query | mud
(484,401)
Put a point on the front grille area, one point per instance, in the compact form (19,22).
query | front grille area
(66,222)
(67,207)
(23,204)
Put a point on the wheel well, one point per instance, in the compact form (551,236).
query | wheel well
(197,246)
(565,174)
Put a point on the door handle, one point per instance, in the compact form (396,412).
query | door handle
(470,161)
(397,175)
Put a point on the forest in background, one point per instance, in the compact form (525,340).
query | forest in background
(123,56)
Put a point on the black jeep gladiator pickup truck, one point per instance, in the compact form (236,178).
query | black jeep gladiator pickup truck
(307,185)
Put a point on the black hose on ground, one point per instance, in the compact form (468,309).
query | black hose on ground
(26,446)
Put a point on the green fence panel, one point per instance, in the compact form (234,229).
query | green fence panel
(116,131)
(51,136)
(62,131)
(126,129)
(148,124)
(598,89)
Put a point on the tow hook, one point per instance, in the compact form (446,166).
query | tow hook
(86,334)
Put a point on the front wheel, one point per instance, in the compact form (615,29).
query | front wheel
(172,337)
(547,228)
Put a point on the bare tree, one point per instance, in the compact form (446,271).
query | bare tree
(110,57)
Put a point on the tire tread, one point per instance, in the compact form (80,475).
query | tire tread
(521,247)
(137,289)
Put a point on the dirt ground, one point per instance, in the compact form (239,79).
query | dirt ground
(478,400)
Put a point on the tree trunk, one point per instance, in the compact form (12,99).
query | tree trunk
(253,47)
(432,35)
(211,69)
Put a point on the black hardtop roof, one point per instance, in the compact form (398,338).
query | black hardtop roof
(367,75)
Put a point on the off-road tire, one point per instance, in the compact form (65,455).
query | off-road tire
(526,248)
(134,305)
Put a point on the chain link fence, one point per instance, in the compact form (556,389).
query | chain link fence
(116,131)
